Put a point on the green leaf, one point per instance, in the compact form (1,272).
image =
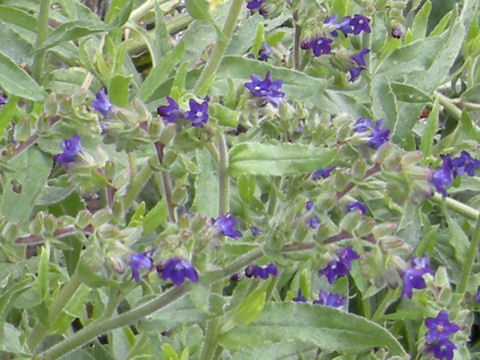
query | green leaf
(42,277)
(119,89)
(442,24)
(258,40)
(160,73)
(286,350)
(277,160)
(10,339)
(53,195)
(155,217)
(409,93)
(199,9)
(431,129)
(384,103)
(329,329)
(250,308)
(6,113)
(14,46)
(206,186)
(18,17)
(7,297)
(340,7)
(17,82)
(419,26)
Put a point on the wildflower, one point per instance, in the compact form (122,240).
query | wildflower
(346,255)
(355,73)
(439,328)
(140,261)
(442,349)
(170,113)
(331,300)
(357,205)
(261,272)
(314,222)
(264,53)
(309,205)
(270,90)
(320,45)
(464,164)
(71,147)
(359,23)
(413,277)
(255,231)
(362,125)
(477,295)
(341,267)
(444,176)
(255,4)
(198,113)
(300,297)
(102,102)
(226,225)
(379,135)
(322,173)
(343,25)
(359,57)
(177,270)
(3,100)
(396,33)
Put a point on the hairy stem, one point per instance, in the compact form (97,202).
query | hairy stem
(472,253)
(223,179)
(457,206)
(42,32)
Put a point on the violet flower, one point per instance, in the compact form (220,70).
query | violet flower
(300,297)
(477,295)
(320,45)
(359,23)
(439,328)
(314,222)
(322,173)
(343,25)
(140,261)
(413,276)
(3,100)
(331,300)
(171,112)
(226,225)
(444,176)
(267,89)
(379,135)
(359,57)
(396,33)
(309,205)
(442,350)
(261,272)
(363,124)
(254,4)
(178,270)
(264,53)
(198,113)
(71,147)
(357,205)
(341,267)
(355,73)
(465,164)
(102,102)
(255,231)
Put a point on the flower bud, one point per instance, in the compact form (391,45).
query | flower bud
(411,158)
(224,115)
(155,128)
(300,111)
(50,224)
(83,219)
(364,227)
(141,110)
(78,97)
(179,195)
(169,158)
(101,217)
(50,106)
(383,229)
(350,221)
(343,133)
(117,209)
(383,153)
(116,262)
(341,181)
(109,169)
(65,106)
(167,134)
(359,168)
(326,202)
(36,226)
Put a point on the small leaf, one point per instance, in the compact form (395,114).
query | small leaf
(198,9)
(119,89)
(419,26)
(155,217)
(42,277)
(251,307)
(409,93)
(431,129)
(277,159)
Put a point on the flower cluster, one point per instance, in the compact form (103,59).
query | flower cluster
(226,225)
(198,113)
(340,267)
(437,337)
(378,135)
(262,272)
(413,276)
(451,168)
(71,147)
(267,89)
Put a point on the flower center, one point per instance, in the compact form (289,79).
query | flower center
(440,328)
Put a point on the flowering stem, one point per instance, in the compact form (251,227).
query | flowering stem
(457,206)
(467,267)
(223,179)
(205,79)
(374,169)
(42,32)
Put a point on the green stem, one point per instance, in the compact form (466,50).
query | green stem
(42,32)
(213,327)
(467,266)
(136,185)
(205,79)
(54,310)
(457,206)
(167,190)
(390,297)
(223,179)
(449,105)
(296,42)
(137,348)
(142,10)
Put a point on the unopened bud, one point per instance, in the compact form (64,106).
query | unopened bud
(116,263)
(36,226)
(300,111)
(359,168)
(142,111)
(411,158)
(326,202)
(50,224)
(350,221)
(169,158)
(155,128)
(83,219)
(392,162)
(364,227)
(384,229)
(50,106)
(341,181)
(65,106)
(179,195)
(101,217)
(117,209)
(343,133)
(78,97)
(197,223)
(224,115)
(109,169)
(383,153)
(167,134)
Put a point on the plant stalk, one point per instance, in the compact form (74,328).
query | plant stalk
(223,179)
(472,253)
(42,33)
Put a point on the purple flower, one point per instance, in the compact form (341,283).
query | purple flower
(102,102)
(357,205)
(309,205)
(140,261)
(346,255)
(226,225)
(300,297)
(477,295)
(264,53)
(341,267)
(362,124)
(270,90)
(255,231)
(379,135)
(331,300)
(359,57)
(314,222)
(71,147)
(322,173)
(3,100)
(439,328)
(444,176)
(355,73)
(177,270)
(464,164)
(359,23)
(343,25)
(261,272)
(320,45)
(255,4)
(170,113)
(198,113)
(396,33)
(413,276)
(442,350)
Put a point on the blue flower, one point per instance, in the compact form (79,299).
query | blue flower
(140,261)
(267,89)
(331,300)
(300,297)
(444,176)
(171,112)
(359,57)
(309,205)
(254,4)
(314,222)
(343,25)
(363,124)
(359,23)
(322,173)
(71,147)
(442,350)
(396,33)
(178,270)
(102,102)
(413,276)
(439,328)
(264,53)
(464,164)
(340,267)
(355,73)
(226,225)
(320,45)
(379,136)
(357,205)
(198,113)
(3,100)
(261,272)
